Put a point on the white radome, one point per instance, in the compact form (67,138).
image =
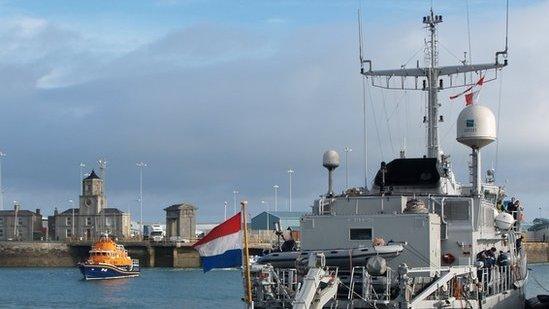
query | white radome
(476,126)
(504,221)
(330,159)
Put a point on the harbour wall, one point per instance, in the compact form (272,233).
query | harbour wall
(59,254)
(538,252)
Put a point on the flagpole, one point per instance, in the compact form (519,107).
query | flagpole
(245,264)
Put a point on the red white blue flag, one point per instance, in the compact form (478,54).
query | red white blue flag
(222,246)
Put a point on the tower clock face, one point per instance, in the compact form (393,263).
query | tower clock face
(88,202)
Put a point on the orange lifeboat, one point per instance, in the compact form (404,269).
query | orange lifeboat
(108,260)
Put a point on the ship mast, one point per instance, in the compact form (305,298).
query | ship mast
(432,78)
(432,90)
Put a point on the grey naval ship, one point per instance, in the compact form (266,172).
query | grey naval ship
(417,238)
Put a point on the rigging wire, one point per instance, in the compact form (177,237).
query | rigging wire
(450,52)
(365,125)
(375,123)
(387,120)
(469,32)
(497,123)
(365,128)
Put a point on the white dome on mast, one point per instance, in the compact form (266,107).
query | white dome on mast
(476,126)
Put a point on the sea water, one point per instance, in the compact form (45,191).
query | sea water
(155,288)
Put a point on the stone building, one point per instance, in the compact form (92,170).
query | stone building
(92,218)
(23,225)
(181,222)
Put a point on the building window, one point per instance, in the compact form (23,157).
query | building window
(68,221)
(20,221)
(69,233)
(360,234)
(88,221)
(1,221)
(1,233)
(109,221)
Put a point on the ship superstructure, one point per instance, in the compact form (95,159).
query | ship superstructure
(449,244)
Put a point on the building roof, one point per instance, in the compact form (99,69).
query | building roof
(285,214)
(93,175)
(112,211)
(69,211)
(21,212)
(180,206)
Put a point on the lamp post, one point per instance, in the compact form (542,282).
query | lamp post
(226,210)
(82,165)
(2,155)
(267,213)
(290,172)
(141,165)
(347,150)
(275,187)
(235,192)
(71,202)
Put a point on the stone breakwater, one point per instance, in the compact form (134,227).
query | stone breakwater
(57,254)
(34,254)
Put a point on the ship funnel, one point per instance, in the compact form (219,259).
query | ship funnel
(476,128)
(330,160)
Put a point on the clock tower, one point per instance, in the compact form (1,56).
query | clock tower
(92,200)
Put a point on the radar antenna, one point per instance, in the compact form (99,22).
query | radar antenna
(433,78)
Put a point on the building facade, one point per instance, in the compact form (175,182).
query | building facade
(21,225)
(181,222)
(92,218)
(267,220)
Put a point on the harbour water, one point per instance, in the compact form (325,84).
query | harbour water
(156,288)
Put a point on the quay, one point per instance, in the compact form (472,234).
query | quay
(68,254)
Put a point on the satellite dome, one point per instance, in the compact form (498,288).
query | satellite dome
(476,126)
(330,159)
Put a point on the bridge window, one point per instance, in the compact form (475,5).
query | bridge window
(360,234)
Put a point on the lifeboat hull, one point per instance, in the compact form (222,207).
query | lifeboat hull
(103,271)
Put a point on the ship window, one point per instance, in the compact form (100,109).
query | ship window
(360,234)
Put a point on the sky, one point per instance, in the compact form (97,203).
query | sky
(217,96)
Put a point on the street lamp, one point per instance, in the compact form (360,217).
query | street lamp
(72,221)
(140,166)
(267,213)
(2,155)
(290,172)
(82,165)
(235,192)
(226,210)
(347,150)
(275,187)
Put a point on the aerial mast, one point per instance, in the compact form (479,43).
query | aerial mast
(431,78)
(431,21)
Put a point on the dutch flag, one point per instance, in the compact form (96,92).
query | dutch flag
(222,246)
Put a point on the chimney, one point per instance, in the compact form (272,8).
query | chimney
(37,211)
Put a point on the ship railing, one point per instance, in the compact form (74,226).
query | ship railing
(498,279)
(368,290)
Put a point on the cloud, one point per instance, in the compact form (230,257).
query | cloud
(214,107)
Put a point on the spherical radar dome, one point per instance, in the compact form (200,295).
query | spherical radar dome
(330,159)
(476,126)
